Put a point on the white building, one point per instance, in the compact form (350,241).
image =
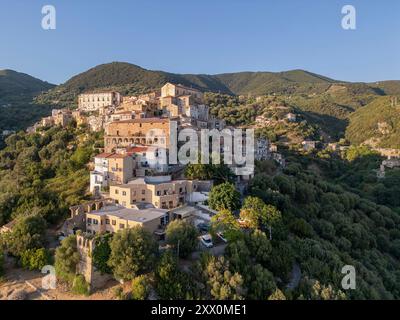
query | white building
(95,101)
(149,158)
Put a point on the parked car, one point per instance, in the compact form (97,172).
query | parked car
(206,240)
(221,236)
(204,227)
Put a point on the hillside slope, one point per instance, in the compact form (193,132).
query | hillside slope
(132,79)
(378,123)
(17,91)
(16,86)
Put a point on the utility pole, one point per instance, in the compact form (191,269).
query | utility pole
(177,257)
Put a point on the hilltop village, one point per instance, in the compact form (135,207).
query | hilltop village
(130,187)
(99,200)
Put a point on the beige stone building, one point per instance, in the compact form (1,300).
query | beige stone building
(111,168)
(147,131)
(114,218)
(160,191)
(94,101)
(175,90)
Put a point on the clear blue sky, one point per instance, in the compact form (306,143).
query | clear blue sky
(204,36)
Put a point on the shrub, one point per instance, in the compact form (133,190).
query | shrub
(34,259)
(80,286)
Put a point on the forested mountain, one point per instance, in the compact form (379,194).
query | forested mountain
(15,86)
(130,79)
(377,123)
(17,91)
(325,102)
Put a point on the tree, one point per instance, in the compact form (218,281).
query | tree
(224,221)
(277,295)
(260,247)
(259,282)
(133,251)
(224,196)
(34,259)
(101,252)
(257,214)
(254,211)
(140,288)
(171,283)
(183,234)
(67,258)
(222,283)
(27,233)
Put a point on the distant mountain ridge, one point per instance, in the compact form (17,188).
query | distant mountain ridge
(15,84)
(132,79)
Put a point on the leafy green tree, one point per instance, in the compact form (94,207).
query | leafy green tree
(133,251)
(222,283)
(254,212)
(184,234)
(260,247)
(35,259)
(224,196)
(140,288)
(260,283)
(171,283)
(101,252)
(224,221)
(27,233)
(67,258)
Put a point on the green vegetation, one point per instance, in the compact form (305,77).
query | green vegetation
(80,286)
(101,252)
(326,227)
(17,91)
(27,233)
(133,252)
(224,196)
(66,259)
(182,234)
(222,284)
(172,283)
(140,288)
(45,173)
(378,122)
(35,259)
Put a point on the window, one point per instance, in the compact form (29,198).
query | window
(113,222)
(107,221)
(121,226)
(89,220)
(116,191)
(95,221)
(143,191)
(124,193)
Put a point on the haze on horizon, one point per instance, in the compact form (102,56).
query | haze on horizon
(203,37)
